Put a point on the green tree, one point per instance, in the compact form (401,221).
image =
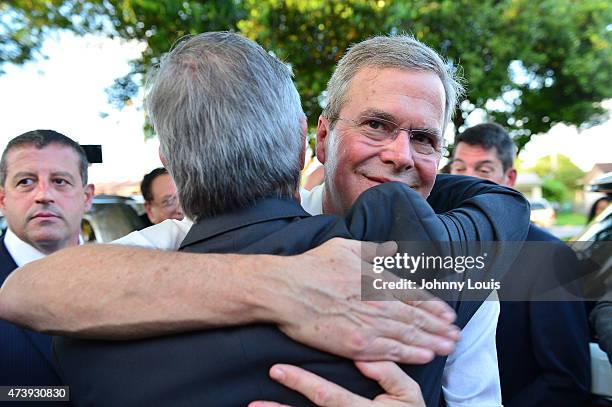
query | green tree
(528,64)
(554,191)
(560,176)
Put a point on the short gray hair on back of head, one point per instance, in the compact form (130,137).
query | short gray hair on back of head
(395,51)
(228,117)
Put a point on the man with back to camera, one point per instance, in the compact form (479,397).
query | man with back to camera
(43,196)
(542,346)
(278,156)
(387,156)
(160,200)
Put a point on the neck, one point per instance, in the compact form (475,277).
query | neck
(48,247)
(328,206)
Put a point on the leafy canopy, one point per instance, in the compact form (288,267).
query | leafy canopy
(528,64)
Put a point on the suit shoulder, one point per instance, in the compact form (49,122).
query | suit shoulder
(537,234)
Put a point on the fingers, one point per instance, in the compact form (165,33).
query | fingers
(318,390)
(383,348)
(369,250)
(390,377)
(426,301)
(414,317)
(412,335)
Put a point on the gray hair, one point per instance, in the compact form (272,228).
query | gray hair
(41,139)
(228,117)
(397,51)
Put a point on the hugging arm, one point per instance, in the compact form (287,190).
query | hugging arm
(118,292)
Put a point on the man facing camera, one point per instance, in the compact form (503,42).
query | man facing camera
(542,346)
(43,196)
(159,193)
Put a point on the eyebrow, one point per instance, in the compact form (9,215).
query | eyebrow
(24,174)
(53,174)
(63,174)
(479,163)
(378,114)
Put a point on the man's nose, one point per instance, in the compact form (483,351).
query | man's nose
(398,152)
(44,192)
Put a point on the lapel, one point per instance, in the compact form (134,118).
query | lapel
(40,342)
(7,264)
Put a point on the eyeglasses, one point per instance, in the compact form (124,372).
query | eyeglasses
(384,131)
(169,202)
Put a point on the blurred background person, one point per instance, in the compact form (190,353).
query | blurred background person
(161,200)
(598,207)
(542,346)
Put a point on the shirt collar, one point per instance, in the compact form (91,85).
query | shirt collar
(20,251)
(312,201)
(264,210)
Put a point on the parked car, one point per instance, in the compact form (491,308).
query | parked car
(110,218)
(542,213)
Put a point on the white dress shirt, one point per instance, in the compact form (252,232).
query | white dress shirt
(20,251)
(471,376)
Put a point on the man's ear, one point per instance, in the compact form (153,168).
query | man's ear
(304,132)
(2,196)
(323,132)
(89,194)
(148,209)
(511,177)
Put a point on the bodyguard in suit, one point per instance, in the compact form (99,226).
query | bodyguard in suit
(43,195)
(222,97)
(542,346)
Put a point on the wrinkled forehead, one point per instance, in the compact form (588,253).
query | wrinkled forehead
(162,185)
(413,98)
(475,153)
(52,157)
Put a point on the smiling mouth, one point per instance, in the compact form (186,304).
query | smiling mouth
(382,180)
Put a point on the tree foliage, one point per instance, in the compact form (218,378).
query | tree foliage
(560,175)
(527,64)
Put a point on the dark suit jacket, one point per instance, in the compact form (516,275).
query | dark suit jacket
(25,356)
(229,366)
(542,347)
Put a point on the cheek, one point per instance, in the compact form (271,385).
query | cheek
(427,170)
(356,154)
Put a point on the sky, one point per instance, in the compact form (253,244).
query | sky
(65,92)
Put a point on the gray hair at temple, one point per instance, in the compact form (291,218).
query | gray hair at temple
(228,117)
(397,51)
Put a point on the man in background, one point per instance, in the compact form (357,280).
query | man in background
(160,199)
(43,195)
(542,346)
